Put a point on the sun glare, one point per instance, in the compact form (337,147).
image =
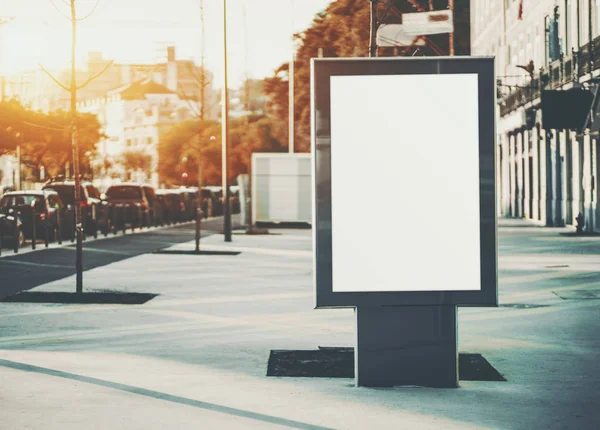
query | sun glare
(257,44)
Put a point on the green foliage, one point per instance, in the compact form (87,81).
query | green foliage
(45,139)
(183,146)
(12,116)
(195,146)
(342,30)
(134,160)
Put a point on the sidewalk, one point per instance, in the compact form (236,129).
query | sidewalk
(196,355)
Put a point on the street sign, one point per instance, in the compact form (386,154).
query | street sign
(395,35)
(425,23)
(404,181)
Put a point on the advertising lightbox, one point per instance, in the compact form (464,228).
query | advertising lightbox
(404,181)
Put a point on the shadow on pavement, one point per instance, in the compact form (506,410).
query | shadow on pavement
(339,363)
(192,252)
(104,298)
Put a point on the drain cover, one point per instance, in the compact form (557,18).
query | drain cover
(339,363)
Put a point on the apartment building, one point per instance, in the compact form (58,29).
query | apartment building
(36,90)
(547,64)
(134,118)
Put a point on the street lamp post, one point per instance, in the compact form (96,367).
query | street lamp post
(291,88)
(225,134)
(75,151)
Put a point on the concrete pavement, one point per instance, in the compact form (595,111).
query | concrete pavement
(30,268)
(196,355)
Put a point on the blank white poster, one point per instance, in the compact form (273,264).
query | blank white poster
(405,183)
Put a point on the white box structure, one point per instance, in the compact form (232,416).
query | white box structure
(281,188)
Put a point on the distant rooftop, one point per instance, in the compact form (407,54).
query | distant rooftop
(137,90)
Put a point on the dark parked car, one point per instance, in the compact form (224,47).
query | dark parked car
(217,207)
(94,210)
(189,198)
(154,205)
(30,207)
(174,206)
(5,189)
(209,202)
(128,204)
(235,199)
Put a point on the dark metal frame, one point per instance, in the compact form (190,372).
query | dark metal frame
(321,72)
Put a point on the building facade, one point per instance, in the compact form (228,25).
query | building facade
(548,65)
(37,91)
(129,99)
(134,118)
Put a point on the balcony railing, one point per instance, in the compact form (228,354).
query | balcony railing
(558,73)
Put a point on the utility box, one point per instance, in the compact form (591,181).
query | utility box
(281,188)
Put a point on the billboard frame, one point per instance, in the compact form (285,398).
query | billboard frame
(322,69)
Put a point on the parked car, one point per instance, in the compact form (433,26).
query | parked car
(94,210)
(174,207)
(5,189)
(217,209)
(209,202)
(154,205)
(39,208)
(234,192)
(128,204)
(11,228)
(189,200)
(195,203)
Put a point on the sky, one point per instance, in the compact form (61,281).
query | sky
(138,31)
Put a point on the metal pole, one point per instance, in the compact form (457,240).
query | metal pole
(59,224)
(47,230)
(567,17)
(202,66)
(198,220)
(199,212)
(225,134)
(19,184)
(17,235)
(373,27)
(72,224)
(75,145)
(106,221)
(451,36)
(291,89)
(33,229)
(591,38)
(95,221)
(578,24)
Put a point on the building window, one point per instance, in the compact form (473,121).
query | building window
(128,142)
(149,140)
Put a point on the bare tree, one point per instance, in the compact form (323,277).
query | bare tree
(74,142)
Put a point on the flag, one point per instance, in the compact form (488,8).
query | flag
(520,17)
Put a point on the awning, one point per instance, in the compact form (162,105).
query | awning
(566,109)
